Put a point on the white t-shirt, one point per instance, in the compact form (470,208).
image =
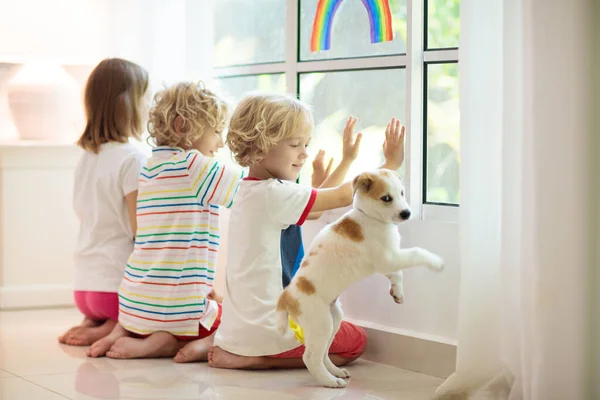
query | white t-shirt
(105,237)
(259,213)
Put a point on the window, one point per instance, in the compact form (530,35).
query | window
(441,137)
(442,24)
(354,93)
(374,59)
(234,87)
(249,32)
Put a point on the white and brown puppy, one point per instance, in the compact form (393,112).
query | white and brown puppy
(363,242)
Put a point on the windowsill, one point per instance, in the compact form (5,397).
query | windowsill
(440,213)
(38,155)
(403,332)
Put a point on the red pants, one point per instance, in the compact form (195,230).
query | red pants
(98,306)
(349,342)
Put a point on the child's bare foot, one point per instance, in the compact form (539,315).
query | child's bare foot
(85,336)
(63,338)
(159,344)
(86,323)
(219,358)
(99,348)
(196,350)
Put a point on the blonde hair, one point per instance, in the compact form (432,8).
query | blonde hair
(113,99)
(260,121)
(194,104)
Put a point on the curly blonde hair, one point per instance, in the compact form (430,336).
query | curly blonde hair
(195,104)
(260,121)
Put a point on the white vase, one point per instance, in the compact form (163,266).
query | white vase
(79,72)
(43,100)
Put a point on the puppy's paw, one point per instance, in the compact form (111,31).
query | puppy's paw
(435,262)
(336,383)
(397,293)
(341,373)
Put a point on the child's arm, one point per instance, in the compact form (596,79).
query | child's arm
(351,148)
(320,173)
(393,150)
(213,182)
(129,180)
(131,200)
(319,176)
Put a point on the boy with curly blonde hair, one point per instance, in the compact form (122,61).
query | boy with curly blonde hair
(166,297)
(270,135)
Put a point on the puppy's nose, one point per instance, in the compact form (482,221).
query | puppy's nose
(405,214)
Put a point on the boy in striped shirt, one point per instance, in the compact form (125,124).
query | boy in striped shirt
(166,296)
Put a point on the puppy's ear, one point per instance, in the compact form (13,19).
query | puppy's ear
(363,181)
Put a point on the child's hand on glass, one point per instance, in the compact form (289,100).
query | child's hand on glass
(393,146)
(320,172)
(350,143)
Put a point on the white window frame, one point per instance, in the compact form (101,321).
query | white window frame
(414,63)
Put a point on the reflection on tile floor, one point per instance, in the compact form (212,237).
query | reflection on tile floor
(34,366)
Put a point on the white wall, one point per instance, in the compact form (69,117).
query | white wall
(430,309)
(172,39)
(73,30)
(38,229)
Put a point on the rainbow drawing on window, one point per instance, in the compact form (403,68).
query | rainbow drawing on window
(380,20)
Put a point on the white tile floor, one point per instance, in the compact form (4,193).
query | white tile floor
(34,366)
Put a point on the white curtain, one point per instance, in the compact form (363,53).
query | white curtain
(525,244)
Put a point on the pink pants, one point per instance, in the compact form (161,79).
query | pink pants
(98,306)
(349,342)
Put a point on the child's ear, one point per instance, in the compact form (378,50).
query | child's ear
(179,125)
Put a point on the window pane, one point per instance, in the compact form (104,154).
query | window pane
(234,88)
(443,134)
(249,32)
(350,34)
(443,23)
(374,96)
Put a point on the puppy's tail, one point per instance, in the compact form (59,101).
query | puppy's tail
(282,314)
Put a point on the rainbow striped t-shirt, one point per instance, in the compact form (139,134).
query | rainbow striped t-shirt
(171,270)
